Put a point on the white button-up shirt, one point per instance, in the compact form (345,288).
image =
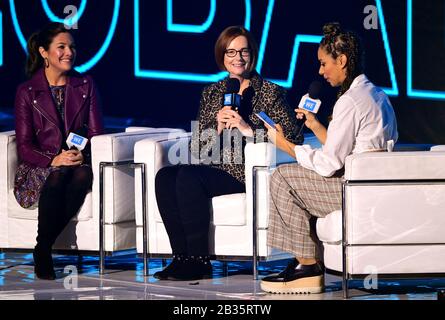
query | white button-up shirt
(363,120)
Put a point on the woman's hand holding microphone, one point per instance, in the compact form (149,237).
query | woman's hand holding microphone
(311,122)
(229,119)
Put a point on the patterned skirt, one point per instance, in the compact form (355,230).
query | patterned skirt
(28,184)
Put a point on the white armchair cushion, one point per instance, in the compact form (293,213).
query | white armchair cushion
(395,166)
(11,207)
(18,226)
(8,165)
(229,210)
(438,148)
(396,214)
(329,228)
(232,214)
(406,218)
(119,183)
(393,213)
(152,130)
(6,138)
(154,153)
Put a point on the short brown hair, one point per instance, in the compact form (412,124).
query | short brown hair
(224,40)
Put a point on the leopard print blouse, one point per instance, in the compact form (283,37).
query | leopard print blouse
(210,149)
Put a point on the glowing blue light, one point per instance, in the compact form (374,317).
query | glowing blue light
(171,75)
(96,58)
(180,76)
(16,25)
(414,93)
(394,91)
(111,30)
(69,22)
(248,14)
(175,27)
(300,38)
(165,75)
(263,42)
(183,76)
(1,40)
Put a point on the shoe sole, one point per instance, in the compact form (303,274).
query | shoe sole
(173,278)
(300,286)
(48,278)
(160,277)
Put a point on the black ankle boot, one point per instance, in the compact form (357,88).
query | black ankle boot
(193,268)
(172,268)
(43,264)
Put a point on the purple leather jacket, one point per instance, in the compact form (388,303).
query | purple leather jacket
(37,124)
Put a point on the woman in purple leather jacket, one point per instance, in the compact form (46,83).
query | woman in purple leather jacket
(53,103)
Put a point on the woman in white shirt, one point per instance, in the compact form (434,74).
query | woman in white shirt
(363,120)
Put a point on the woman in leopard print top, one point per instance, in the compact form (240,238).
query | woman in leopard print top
(184,192)
(261,95)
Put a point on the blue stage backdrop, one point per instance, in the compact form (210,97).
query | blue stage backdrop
(151,58)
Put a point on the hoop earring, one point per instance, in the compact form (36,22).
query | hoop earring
(46,63)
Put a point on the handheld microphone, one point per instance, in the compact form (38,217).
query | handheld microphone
(310,102)
(76,141)
(231,97)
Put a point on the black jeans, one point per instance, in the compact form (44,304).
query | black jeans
(184,194)
(61,197)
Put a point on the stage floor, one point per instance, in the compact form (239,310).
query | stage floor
(124,281)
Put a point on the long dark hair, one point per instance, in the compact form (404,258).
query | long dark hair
(42,38)
(336,41)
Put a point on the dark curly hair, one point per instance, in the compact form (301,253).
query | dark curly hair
(336,41)
(42,38)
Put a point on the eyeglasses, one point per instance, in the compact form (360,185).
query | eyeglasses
(245,52)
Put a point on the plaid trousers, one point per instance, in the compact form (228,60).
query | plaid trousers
(297,197)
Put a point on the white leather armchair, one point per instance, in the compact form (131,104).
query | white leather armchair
(393,221)
(18,226)
(233,221)
(393,217)
(438,148)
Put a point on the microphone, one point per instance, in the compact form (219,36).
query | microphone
(310,102)
(76,141)
(231,97)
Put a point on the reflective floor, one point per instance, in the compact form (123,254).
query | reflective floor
(78,279)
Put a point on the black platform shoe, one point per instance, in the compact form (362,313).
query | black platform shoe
(193,268)
(43,264)
(172,268)
(296,278)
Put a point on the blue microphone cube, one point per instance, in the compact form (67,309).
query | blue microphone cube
(78,140)
(309,105)
(232,99)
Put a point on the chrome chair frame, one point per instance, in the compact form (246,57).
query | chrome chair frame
(133,165)
(346,276)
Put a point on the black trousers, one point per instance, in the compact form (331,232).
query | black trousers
(184,194)
(61,197)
